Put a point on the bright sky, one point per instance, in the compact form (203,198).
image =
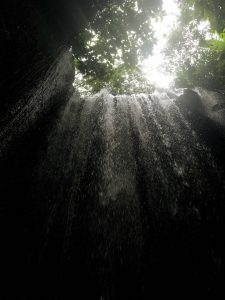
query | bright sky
(153,66)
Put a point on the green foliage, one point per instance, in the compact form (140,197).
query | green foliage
(197,51)
(108,51)
(218,44)
(211,10)
(121,81)
(206,72)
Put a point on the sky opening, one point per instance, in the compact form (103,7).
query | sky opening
(153,66)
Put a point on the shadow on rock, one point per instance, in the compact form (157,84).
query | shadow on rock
(210,132)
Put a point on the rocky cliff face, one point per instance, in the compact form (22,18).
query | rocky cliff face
(32,33)
(36,66)
(37,103)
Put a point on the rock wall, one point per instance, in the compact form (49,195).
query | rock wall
(32,32)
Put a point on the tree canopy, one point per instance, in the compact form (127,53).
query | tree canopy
(196,49)
(107,52)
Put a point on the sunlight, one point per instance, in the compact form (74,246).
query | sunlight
(152,67)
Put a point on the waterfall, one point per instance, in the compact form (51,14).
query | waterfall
(130,184)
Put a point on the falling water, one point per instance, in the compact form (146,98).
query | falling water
(130,187)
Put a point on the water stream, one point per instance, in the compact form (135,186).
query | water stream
(134,196)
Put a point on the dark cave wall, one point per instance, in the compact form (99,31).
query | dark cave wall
(25,54)
(32,34)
